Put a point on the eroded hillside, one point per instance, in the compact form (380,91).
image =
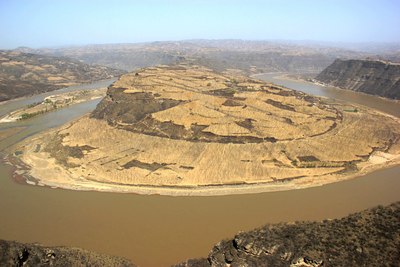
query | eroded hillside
(187,130)
(27,74)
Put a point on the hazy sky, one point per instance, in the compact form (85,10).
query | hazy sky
(43,23)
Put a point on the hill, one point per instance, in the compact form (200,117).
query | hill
(374,77)
(187,130)
(24,74)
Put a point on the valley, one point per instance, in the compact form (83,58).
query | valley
(199,133)
(139,232)
(188,130)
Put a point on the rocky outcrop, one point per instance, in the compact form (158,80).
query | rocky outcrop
(19,254)
(24,74)
(369,238)
(367,76)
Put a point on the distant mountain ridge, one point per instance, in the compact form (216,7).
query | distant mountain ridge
(24,74)
(368,76)
(247,56)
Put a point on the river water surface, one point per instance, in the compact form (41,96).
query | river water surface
(161,230)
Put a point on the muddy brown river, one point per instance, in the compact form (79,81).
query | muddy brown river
(162,230)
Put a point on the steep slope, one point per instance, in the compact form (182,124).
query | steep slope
(18,254)
(367,76)
(26,74)
(369,238)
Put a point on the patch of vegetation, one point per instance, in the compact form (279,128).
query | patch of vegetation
(307,158)
(355,110)
(228,92)
(278,104)
(186,167)
(143,165)
(25,116)
(61,153)
(247,124)
(231,103)
(33,105)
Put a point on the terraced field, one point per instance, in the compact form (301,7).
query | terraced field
(184,130)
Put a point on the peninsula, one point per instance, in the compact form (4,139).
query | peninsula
(187,130)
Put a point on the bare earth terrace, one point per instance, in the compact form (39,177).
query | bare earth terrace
(186,130)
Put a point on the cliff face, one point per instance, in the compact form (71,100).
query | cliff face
(26,74)
(371,77)
(18,254)
(369,238)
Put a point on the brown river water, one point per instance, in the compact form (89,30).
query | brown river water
(161,230)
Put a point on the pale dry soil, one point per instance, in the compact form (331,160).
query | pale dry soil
(236,135)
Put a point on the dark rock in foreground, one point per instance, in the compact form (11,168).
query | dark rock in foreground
(368,76)
(18,254)
(368,238)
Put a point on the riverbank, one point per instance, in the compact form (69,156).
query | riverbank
(24,175)
(53,102)
(129,225)
(307,80)
(181,136)
(36,166)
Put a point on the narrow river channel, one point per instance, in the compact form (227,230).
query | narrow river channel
(161,230)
